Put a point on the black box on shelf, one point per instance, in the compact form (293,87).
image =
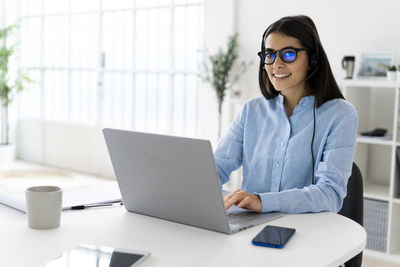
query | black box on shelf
(376,223)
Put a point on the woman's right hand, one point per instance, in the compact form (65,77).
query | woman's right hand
(244,200)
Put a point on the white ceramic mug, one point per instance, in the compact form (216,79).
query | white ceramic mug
(43,206)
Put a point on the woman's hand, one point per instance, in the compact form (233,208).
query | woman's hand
(244,200)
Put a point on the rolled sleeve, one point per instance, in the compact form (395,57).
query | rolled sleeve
(229,153)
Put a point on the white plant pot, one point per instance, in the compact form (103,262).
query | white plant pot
(398,75)
(7,153)
(391,75)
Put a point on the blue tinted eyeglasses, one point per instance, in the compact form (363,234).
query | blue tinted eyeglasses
(287,54)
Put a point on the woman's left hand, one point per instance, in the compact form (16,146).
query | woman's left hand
(244,200)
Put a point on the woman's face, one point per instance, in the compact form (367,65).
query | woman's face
(287,78)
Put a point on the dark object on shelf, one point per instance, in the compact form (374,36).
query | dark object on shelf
(348,65)
(353,206)
(375,132)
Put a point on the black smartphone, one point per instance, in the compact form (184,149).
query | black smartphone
(273,236)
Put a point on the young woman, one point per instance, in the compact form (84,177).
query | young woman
(296,143)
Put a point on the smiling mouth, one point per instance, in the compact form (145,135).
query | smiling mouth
(281,75)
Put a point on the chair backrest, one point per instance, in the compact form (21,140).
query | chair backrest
(353,203)
(353,206)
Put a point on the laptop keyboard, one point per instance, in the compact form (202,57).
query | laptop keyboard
(241,217)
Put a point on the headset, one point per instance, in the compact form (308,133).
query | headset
(314,63)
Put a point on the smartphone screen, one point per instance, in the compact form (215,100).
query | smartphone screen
(273,236)
(94,256)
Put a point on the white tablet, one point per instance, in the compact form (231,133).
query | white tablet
(93,256)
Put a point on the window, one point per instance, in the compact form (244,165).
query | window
(113,63)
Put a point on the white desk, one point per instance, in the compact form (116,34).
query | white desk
(324,239)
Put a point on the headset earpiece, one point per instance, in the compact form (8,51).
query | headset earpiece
(313,61)
(314,57)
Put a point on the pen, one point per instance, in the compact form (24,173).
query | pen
(81,207)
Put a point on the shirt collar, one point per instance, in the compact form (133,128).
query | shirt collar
(307,100)
(304,102)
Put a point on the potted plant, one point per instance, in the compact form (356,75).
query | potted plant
(220,75)
(11,82)
(391,73)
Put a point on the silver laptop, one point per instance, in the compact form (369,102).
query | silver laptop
(174,178)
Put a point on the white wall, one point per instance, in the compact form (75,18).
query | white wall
(80,148)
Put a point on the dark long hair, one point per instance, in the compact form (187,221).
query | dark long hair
(320,76)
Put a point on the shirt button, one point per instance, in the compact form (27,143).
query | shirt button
(277,165)
(282,143)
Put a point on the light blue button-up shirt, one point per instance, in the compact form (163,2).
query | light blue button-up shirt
(275,153)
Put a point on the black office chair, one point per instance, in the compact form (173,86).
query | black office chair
(353,206)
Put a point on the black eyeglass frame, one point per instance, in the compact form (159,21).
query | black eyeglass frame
(261,54)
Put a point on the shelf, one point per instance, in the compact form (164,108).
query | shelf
(371,82)
(376,191)
(384,140)
(376,101)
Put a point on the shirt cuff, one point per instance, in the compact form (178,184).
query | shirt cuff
(270,202)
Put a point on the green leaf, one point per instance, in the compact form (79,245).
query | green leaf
(9,88)
(219,75)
